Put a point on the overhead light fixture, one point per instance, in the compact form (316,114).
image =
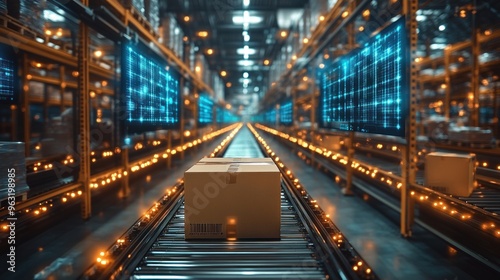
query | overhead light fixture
(246,3)
(228,84)
(246,50)
(246,38)
(223,73)
(245,80)
(187,18)
(210,51)
(245,91)
(266,62)
(245,75)
(283,34)
(246,56)
(98,53)
(442,28)
(247,18)
(245,62)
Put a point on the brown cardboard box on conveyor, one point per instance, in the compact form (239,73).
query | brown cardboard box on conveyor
(234,200)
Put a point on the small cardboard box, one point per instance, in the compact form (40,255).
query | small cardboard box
(232,201)
(450,173)
(234,160)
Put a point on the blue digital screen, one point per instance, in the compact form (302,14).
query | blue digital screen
(270,117)
(367,89)
(286,113)
(225,116)
(8,72)
(205,107)
(150,92)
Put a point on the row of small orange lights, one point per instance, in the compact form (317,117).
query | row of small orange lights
(358,265)
(389,179)
(110,178)
(104,256)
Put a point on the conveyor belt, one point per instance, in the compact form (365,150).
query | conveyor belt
(291,257)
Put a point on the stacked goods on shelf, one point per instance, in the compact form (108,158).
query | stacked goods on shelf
(171,34)
(154,14)
(470,135)
(437,127)
(3,6)
(32,14)
(12,155)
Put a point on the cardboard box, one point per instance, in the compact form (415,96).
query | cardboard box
(234,160)
(450,173)
(232,201)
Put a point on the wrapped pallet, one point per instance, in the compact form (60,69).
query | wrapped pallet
(32,14)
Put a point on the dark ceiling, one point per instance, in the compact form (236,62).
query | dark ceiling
(225,37)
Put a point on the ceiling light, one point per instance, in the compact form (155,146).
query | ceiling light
(246,18)
(244,33)
(187,18)
(245,62)
(245,50)
(283,34)
(442,28)
(245,75)
(245,91)
(321,18)
(210,51)
(228,84)
(98,53)
(246,38)
(245,56)
(223,73)
(256,89)
(246,3)
(266,62)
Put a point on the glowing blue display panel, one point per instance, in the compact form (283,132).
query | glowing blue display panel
(270,116)
(150,92)
(225,116)
(367,90)
(286,113)
(205,107)
(8,78)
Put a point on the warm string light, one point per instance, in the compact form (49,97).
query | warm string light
(389,180)
(327,222)
(110,178)
(153,210)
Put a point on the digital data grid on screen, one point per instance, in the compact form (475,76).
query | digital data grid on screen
(152,92)
(366,90)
